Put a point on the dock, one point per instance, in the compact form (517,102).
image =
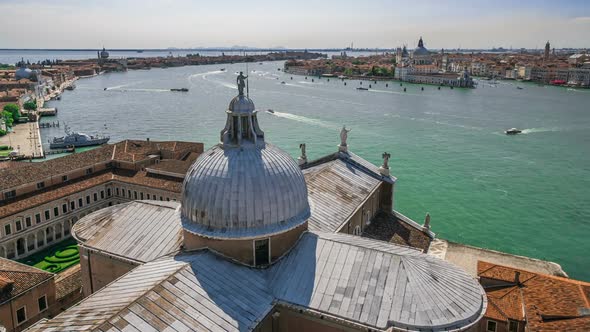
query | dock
(49,124)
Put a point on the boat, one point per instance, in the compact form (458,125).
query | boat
(270,111)
(512,131)
(75,139)
(139,51)
(519,87)
(283,82)
(361,88)
(71,87)
(180,90)
(557,82)
(222,69)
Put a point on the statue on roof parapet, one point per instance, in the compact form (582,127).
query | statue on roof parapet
(343,147)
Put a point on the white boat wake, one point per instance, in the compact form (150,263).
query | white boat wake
(300,118)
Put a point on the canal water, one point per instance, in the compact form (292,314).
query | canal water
(526,194)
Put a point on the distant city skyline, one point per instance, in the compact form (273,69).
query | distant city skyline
(156,24)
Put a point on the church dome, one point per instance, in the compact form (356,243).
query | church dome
(421,50)
(244,192)
(243,187)
(23,72)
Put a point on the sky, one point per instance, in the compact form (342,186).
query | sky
(147,24)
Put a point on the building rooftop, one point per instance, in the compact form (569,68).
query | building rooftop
(548,303)
(140,230)
(354,280)
(16,278)
(337,185)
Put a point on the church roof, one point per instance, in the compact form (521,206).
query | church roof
(356,280)
(139,231)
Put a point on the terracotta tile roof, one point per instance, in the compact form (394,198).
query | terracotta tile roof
(145,179)
(22,276)
(34,172)
(550,303)
(68,282)
(50,194)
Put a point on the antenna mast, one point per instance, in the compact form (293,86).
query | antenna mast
(247,79)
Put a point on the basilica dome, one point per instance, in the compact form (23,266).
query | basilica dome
(243,187)
(421,50)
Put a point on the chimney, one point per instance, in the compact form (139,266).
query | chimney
(517,278)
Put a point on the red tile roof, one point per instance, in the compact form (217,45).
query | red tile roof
(22,276)
(549,303)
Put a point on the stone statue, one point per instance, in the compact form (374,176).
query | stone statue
(241,80)
(386,157)
(302,147)
(344,135)
(427,221)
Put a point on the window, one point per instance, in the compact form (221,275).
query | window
(38,218)
(88,171)
(64,208)
(135,194)
(28,222)
(7,229)
(64,178)
(129,193)
(512,326)
(47,216)
(10,194)
(95,196)
(19,225)
(80,202)
(108,192)
(21,315)
(161,198)
(491,326)
(72,205)
(261,252)
(141,194)
(55,211)
(102,194)
(148,196)
(168,199)
(357,230)
(87,199)
(117,191)
(42,303)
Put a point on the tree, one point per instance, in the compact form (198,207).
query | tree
(13,110)
(30,105)
(8,118)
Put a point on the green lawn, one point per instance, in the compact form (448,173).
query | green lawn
(55,258)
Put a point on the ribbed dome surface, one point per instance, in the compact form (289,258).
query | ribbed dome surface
(244,192)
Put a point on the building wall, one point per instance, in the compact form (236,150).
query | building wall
(29,300)
(381,199)
(34,236)
(100,269)
(283,319)
(243,250)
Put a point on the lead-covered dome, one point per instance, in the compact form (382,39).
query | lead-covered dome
(243,187)
(244,192)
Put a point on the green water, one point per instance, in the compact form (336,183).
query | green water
(526,194)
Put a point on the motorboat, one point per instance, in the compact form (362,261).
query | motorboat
(283,82)
(519,87)
(180,90)
(512,131)
(222,69)
(270,111)
(76,139)
(361,88)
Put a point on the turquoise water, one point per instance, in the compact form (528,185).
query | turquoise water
(526,194)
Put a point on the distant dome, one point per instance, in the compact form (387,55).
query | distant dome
(104,54)
(421,50)
(23,72)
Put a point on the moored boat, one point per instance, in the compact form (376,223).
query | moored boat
(75,139)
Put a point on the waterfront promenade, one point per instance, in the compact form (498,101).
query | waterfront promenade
(25,138)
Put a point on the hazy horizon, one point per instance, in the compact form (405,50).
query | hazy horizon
(161,24)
